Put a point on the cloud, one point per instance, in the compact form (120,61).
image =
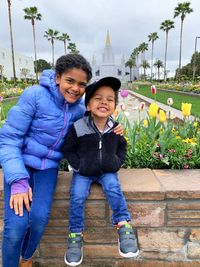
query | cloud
(129,23)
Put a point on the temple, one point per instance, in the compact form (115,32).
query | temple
(108,67)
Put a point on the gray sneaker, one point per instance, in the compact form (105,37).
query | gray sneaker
(74,253)
(127,241)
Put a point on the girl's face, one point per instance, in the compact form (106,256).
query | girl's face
(72,84)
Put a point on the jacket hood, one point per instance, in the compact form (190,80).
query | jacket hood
(48,80)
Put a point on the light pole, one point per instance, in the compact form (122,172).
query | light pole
(194,64)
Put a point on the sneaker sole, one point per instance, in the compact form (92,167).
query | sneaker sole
(73,263)
(129,254)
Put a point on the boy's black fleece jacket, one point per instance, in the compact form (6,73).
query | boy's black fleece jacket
(91,153)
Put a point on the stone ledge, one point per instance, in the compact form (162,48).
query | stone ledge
(165,209)
(141,184)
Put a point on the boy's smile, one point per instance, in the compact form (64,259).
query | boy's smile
(102,103)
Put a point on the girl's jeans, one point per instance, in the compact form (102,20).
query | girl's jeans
(21,235)
(80,189)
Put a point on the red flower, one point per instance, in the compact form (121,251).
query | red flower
(153,89)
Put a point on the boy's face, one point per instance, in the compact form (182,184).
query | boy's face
(102,102)
(72,84)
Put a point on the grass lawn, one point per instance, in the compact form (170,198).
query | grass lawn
(178,98)
(7,104)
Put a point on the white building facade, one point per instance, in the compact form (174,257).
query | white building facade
(108,67)
(21,62)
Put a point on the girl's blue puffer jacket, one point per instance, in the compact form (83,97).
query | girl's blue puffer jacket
(35,127)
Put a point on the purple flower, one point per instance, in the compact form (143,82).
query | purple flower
(124,93)
(1,98)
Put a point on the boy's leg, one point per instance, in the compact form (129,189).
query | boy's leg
(80,188)
(43,183)
(127,241)
(115,197)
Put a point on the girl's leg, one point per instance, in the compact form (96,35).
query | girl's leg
(115,197)
(15,228)
(44,183)
(80,188)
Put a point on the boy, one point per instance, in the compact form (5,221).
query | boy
(96,154)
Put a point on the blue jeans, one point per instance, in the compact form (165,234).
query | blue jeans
(21,235)
(80,189)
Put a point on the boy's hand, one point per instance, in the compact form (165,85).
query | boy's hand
(119,130)
(17,202)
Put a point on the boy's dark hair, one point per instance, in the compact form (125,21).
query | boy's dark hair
(70,61)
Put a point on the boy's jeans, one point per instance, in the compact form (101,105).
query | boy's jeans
(80,189)
(21,235)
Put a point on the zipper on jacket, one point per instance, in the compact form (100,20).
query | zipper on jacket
(100,149)
(59,137)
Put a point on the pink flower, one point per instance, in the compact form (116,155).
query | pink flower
(141,106)
(186,166)
(1,98)
(123,106)
(153,89)
(124,93)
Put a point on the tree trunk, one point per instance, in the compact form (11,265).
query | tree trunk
(12,46)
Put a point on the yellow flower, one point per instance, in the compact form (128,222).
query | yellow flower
(186,109)
(195,124)
(162,116)
(153,110)
(145,122)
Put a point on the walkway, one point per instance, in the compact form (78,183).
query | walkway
(134,99)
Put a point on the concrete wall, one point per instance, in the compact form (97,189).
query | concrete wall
(165,206)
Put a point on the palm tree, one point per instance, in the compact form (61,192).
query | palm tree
(158,64)
(72,47)
(166,26)
(152,37)
(143,47)
(31,13)
(181,10)
(145,65)
(51,35)
(130,63)
(64,37)
(1,73)
(11,40)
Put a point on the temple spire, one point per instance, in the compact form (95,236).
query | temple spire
(108,38)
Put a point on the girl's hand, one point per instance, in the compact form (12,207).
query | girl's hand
(17,202)
(119,130)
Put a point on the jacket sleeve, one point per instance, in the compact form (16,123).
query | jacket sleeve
(12,137)
(69,149)
(121,150)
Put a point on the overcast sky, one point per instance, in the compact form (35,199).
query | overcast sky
(86,21)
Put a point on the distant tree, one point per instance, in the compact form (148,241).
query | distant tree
(1,72)
(72,47)
(31,13)
(182,10)
(142,48)
(145,65)
(166,26)
(130,63)
(187,70)
(42,65)
(64,37)
(24,73)
(11,41)
(158,64)
(152,38)
(51,36)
